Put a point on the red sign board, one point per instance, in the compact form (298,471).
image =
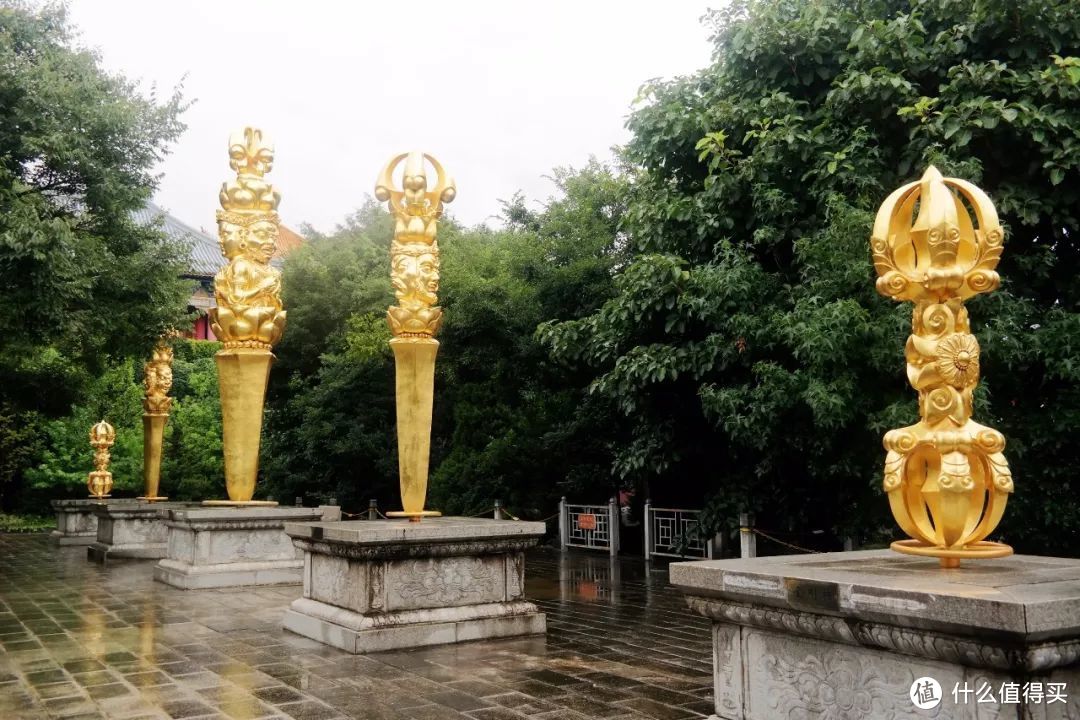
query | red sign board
(586,522)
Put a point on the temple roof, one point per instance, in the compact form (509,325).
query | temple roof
(206,256)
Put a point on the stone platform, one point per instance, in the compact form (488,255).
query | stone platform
(382,585)
(843,635)
(212,547)
(129,529)
(76,523)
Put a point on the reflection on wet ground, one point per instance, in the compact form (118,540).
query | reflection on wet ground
(84,641)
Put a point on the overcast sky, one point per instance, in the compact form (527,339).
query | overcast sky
(500,92)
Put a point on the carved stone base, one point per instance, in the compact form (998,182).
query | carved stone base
(372,585)
(129,529)
(76,523)
(234,546)
(845,635)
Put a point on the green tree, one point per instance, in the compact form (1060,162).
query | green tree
(329,431)
(192,463)
(114,396)
(83,284)
(746,340)
(511,424)
(508,423)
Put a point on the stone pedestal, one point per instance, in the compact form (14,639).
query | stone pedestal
(76,523)
(129,529)
(372,585)
(846,635)
(212,547)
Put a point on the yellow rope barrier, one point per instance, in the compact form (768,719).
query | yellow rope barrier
(781,542)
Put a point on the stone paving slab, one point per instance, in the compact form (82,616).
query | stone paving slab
(81,641)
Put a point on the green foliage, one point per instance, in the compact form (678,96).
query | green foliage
(67,457)
(508,423)
(26,523)
(192,465)
(329,431)
(746,340)
(82,283)
(192,461)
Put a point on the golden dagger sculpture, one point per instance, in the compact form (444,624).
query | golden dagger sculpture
(249,317)
(946,476)
(414,273)
(157,379)
(99,481)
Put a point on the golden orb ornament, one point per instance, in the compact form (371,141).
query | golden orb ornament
(946,476)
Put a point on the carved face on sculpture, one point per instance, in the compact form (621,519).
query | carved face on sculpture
(415,275)
(260,242)
(229,237)
(150,380)
(164,379)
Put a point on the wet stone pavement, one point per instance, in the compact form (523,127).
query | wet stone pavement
(78,640)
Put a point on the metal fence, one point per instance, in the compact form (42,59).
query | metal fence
(676,532)
(595,527)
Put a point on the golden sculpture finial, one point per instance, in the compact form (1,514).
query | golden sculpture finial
(157,379)
(249,317)
(99,481)
(251,155)
(414,273)
(414,253)
(946,476)
(249,312)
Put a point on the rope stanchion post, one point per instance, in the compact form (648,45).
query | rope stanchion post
(372,509)
(613,526)
(714,546)
(648,530)
(498,510)
(747,539)
(299,501)
(564,531)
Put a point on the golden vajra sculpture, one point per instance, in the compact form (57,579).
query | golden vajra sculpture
(414,272)
(946,476)
(249,317)
(157,379)
(100,481)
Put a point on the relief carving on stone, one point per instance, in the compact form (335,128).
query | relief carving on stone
(453,581)
(515,576)
(832,686)
(907,641)
(727,667)
(376,586)
(404,551)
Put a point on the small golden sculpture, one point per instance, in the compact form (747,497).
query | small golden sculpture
(414,272)
(157,379)
(249,317)
(100,481)
(946,476)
